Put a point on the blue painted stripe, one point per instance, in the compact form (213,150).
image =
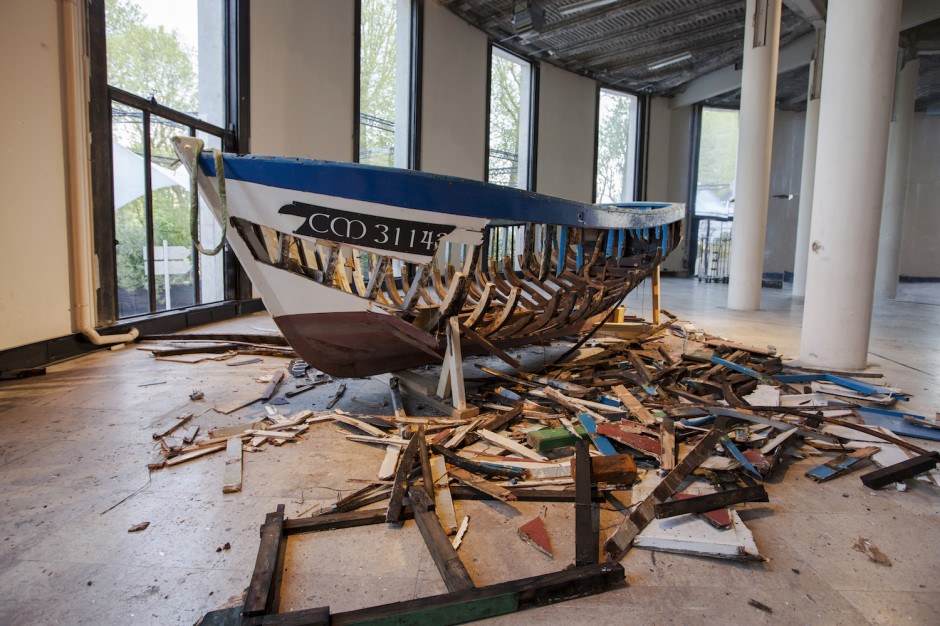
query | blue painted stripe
(428,192)
(622,239)
(610,243)
(562,251)
(580,259)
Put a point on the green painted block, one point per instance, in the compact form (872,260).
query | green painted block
(551,438)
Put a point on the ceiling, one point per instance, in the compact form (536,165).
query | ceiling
(658,46)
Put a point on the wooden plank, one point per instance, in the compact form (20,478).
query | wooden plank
(572,404)
(620,542)
(443,499)
(711,501)
(633,405)
(480,484)
(273,385)
(395,504)
(586,522)
(384,441)
(641,443)
(237,429)
(424,460)
(232,476)
(369,429)
(389,463)
(493,471)
(442,550)
(474,604)
(261,592)
(509,444)
(195,454)
(841,465)
(667,444)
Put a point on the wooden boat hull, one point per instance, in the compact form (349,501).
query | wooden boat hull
(360,266)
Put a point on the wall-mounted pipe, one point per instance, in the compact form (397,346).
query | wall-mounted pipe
(79,174)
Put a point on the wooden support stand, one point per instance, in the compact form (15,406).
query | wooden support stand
(449,396)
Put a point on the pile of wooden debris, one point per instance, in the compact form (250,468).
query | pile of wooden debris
(691,424)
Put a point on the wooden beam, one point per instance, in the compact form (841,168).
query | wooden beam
(261,591)
(487,345)
(585,521)
(395,504)
(900,471)
(711,501)
(463,606)
(442,551)
(332,521)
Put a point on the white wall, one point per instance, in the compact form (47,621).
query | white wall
(920,243)
(567,104)
(657,164)
(679,141)
(785,171)
(302,59)
(34,247)
(453,108)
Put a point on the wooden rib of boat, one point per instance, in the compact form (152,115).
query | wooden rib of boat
(361,267)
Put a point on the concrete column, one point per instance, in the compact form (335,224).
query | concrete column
(858,80)
(892,208)
(808,173)
(752,180)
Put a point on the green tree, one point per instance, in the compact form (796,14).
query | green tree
(615,141)
(377,81)
(505,121)
(150,62)
(719,148)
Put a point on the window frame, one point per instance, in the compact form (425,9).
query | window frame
(533,119)
(416,50)
(234,138)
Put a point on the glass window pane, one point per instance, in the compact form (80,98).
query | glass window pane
(385,83)
(172,50)
(130,213)
(173,249)
(510,105)
(717,163)
(616,147)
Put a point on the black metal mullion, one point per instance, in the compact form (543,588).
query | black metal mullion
(148,213)
(357,81)
(197,286)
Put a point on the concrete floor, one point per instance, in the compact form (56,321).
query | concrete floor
(74,446)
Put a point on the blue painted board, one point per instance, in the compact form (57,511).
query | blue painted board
(602,444)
